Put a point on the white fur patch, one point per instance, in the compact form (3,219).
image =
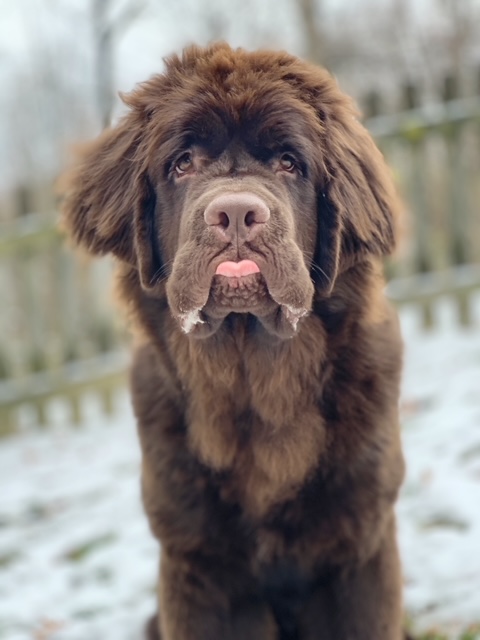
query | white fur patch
(190,319)
(293,315)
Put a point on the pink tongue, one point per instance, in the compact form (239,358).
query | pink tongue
(237,269)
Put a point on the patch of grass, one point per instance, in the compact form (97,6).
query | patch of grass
(81,551)
(104,574)
(8,558)
(471,633)
(470,454)
(88,614)
(445,522)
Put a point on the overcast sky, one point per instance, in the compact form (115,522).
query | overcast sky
(62,30)
(163,28)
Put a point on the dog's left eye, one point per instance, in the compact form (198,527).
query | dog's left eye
(288,163)
(183,164)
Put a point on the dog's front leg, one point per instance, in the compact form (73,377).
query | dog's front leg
(363,603)
(195,606)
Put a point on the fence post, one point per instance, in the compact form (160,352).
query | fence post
(415,138)
(458,219)
(57,340)
(373,104)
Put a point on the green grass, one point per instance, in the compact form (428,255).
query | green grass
(471,633)
(81,551)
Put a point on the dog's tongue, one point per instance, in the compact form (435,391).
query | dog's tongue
(237,269)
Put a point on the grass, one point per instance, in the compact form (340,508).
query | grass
(471,633)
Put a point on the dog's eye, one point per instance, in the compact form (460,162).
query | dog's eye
(288,163)
(183,164)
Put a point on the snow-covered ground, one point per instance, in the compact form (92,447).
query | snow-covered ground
(77,561)
(439,511)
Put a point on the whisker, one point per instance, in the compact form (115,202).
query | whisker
(161,273)
(320,271)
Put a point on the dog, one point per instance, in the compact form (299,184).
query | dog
(250,211)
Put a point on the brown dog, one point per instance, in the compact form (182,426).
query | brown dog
(250,212)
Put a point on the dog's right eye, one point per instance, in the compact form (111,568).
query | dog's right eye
(287,163)
(183,164)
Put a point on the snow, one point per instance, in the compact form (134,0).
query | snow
(439,512)
(76,558)
(77,561)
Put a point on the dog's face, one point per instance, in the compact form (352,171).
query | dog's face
(241,182)
(235,205)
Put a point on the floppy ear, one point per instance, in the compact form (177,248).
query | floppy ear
(357,202)
(109,202)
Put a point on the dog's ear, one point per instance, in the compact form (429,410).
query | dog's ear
(357,202)
(100,192)
(109,202)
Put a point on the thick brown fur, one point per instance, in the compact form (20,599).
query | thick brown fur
(266,405)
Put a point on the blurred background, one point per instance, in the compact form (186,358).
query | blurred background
(413,67)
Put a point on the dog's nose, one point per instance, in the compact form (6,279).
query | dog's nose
(237,215)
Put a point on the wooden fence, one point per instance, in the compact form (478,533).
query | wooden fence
(58,333)
(59,337)
(435,154)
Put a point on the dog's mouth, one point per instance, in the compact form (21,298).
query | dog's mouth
(246,294)
(238,287)
(278,296)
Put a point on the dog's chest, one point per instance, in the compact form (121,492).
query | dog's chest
(262,462)
(253,413)
(271,465)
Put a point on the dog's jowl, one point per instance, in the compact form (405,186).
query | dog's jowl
(249,212)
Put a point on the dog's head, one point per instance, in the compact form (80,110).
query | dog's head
(238,181)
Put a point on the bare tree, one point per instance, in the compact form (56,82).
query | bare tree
(315,47)
(59,90)
(107,28)
(462,33)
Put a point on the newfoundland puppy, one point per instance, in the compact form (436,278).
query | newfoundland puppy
(249,212)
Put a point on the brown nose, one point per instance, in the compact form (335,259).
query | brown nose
(237,215)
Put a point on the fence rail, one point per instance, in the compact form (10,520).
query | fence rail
(59,338)
(58,333)
(435,155)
